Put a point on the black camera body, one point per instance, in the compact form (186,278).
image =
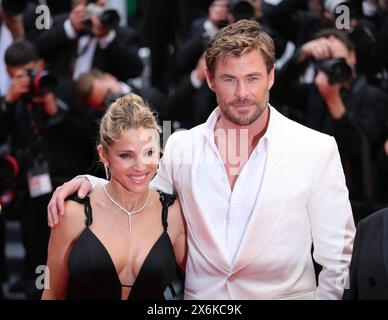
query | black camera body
(41,82)
(336,69)
(241,9)
(110,18)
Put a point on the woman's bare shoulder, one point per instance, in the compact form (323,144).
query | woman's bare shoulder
(75,208)
(73,221)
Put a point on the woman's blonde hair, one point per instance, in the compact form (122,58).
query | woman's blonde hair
(127,112)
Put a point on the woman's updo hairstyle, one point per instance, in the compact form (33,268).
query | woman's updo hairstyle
(127,112)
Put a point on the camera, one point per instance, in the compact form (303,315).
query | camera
(41,82)
(241,9)
(331,5)
(14,7)
(108,17)
(336,69)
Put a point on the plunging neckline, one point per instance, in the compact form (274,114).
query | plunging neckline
(93,273)
(114,266)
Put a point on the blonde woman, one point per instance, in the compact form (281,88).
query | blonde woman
(123,241)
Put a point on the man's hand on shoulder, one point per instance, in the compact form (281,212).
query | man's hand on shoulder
(56,206)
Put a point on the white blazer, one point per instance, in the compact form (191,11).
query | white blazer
(303,202)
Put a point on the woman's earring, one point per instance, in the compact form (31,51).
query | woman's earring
(107,171)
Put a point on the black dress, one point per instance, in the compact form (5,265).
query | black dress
(92,274)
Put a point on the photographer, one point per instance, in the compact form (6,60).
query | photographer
(334,99)
(202,30)
(11,27)
(190,102)
(199,98)
(47,142)
(89,37)
(96,90)
(298,21)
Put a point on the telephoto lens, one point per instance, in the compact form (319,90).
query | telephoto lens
(241,9)
(42,82)
(337,70)
(110,18)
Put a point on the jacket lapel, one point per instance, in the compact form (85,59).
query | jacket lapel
(200,233)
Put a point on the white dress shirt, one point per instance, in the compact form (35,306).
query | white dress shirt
(228,210)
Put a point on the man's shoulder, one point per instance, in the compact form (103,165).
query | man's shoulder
(375,220)
(300,133)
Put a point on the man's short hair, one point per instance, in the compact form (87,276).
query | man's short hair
(84,85)
(20,53)
(238,39)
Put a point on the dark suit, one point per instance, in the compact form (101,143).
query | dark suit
(186,57)
(369,264)
(189,105)
(120,58)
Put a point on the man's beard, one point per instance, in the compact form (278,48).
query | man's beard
(243,119)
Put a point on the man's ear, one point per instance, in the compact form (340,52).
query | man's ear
(272,76)
(209,79)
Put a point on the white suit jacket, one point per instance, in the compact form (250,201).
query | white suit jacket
(303,201)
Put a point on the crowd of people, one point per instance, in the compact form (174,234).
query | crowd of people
(62,90)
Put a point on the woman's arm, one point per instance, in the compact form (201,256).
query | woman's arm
(177,229)
(60,244)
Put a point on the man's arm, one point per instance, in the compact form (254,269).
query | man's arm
(332,224)
(80,184)
(64,30)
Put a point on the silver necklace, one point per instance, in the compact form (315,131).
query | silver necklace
(129,213)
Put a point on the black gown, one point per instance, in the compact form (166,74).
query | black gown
(92,273)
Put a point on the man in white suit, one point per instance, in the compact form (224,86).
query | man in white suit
(257,189)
